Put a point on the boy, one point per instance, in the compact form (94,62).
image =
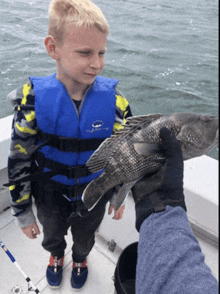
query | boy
(59,121)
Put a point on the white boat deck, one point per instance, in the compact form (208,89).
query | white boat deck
(33,260)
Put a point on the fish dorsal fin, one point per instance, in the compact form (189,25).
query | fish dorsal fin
(146,119)
(100,157)
(133,124)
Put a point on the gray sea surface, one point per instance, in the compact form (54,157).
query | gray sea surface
(164,53)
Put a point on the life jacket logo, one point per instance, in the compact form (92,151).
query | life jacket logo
(97,126)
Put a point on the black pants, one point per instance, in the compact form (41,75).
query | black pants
(54,210)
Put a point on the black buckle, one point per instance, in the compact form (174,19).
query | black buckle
(77,171)
(81,171)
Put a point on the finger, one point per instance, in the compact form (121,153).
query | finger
(30,232)
(33,234)
(167,139)
(36,229)
(119,213)
(166,134)
(170,145)
(116,215)
(30,235)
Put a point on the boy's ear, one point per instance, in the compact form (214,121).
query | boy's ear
(50,44)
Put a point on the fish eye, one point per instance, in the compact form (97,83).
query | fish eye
(205,118)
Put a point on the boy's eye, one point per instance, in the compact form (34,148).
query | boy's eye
(84,52)
(89,52)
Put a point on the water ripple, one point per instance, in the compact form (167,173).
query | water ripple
(165,53)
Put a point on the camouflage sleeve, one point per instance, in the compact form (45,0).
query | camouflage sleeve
(24,131)
(123,111)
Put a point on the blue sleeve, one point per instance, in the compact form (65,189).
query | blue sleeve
(170,258)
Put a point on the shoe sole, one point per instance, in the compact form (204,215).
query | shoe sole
(55,287)
(78,290)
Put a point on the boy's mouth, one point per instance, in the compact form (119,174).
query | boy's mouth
(92,75)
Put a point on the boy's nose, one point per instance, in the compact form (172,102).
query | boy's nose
(96,62)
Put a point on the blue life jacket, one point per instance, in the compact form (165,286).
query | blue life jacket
(72,136)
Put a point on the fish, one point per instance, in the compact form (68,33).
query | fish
(135,151)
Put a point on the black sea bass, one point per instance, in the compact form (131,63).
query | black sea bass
(135,152)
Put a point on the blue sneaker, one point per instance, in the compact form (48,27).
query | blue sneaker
(79,275)
(55,272)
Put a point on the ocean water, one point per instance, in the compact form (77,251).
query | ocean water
(164,53)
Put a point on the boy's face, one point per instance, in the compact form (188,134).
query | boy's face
(81,56)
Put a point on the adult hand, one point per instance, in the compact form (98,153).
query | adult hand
(165,187)
(31,231)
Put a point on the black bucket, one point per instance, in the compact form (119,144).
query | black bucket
(125,272)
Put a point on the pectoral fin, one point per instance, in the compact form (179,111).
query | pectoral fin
(143,148)
(123,191)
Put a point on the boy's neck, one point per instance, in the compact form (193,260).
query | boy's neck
(74,89)
(76,93)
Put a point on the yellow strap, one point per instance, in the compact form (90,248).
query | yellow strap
(121,102)
(117,127)
(25,197)
(124,120)
(26,91)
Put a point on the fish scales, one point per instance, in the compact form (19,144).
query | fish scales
(134,151)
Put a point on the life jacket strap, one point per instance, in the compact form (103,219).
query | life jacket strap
(70,144)
(70,172)
(73,192)
(24,107)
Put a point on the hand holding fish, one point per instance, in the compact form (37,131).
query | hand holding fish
(135,151)
(165,187)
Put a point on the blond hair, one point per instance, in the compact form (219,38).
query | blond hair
(80,12)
